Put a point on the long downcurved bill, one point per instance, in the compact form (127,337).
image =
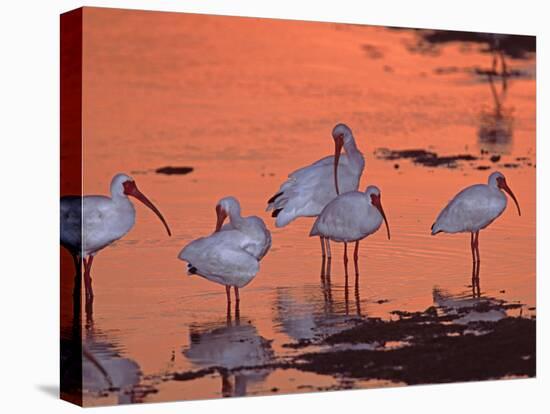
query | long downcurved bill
(338,144)
(221,215)
(131,189)
(502,184)
(378,204)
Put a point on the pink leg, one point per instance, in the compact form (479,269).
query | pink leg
(88,278)
(472,237)
(476,245)
(475,264)
(346,260)
(237,305)
(356,260)
(328,247)
(323,253)
(228,294)
(77,288)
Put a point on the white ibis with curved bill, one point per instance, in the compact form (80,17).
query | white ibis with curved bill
(309,189)
(474,208)
(91,223)
(351,217)
(230,256)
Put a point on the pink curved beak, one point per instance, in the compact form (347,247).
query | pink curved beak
(221,215)
(338,144)
(503,185)
(131,189)
(376,201)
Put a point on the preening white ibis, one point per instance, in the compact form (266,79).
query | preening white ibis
(473,209)
(309,189)
(91,223)
(351,217)
(252,226)
(231,255)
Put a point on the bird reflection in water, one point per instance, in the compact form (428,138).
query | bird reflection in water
(326,286)
(496,126)
(107,374)
(312,311)
(233,349)
(466,309)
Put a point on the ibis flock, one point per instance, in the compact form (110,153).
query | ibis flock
(328,189)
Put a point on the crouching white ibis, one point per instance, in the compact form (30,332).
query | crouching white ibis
(91,223)
(473,209)
(309,189)
(231,255)
(351,217)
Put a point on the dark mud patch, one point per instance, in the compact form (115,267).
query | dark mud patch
(507,349)
(460,339)
(423,157)
(373,52)
(444,359)
(513,46)
(433,160)
(483,73)
(169,170)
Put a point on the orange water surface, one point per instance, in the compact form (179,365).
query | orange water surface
(246,101)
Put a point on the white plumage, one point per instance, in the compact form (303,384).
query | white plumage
(475,207)
(230,256)
(351,217)
(91,223)
(309,189)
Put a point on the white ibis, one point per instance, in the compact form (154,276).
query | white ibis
(473,209)
(231,255)
(351,217)
(91,223)
(252,226)
(309,189)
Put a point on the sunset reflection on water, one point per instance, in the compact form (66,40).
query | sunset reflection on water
(246,101)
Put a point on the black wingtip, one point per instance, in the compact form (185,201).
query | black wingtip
(192,270)
(276,212)
(272,199)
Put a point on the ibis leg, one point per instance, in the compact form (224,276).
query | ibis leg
(237,304)
(77,287)
(88,278)
(346,258)
(476,245)
(356,261)
(472,248)
(323,253)
(328,247)
(228,294)
(478,264)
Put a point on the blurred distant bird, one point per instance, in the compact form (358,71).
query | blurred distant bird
(474,208)
(351,217)
(309,189)
(91,223)
(231,255)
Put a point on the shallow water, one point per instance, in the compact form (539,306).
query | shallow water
(244,102)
